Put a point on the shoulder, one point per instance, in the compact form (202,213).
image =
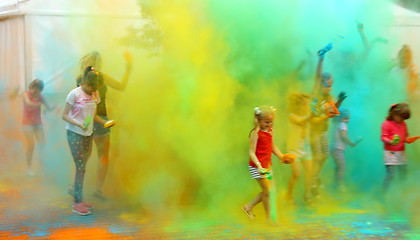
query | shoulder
(75,92)
(387,123)
(253,133)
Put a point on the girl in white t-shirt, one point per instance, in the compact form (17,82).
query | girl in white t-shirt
(339,144)
(79,113)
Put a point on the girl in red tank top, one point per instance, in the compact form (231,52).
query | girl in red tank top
(32,124)
(261,148)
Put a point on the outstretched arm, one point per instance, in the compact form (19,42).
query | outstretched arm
(318,76)
(47,106)
(344,137)
(277,152)
(298,120)
(109,81)
(360,29)
(319,119)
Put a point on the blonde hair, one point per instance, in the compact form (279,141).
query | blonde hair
(260,113)
(90,59)
(297,100)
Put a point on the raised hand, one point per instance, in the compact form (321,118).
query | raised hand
(128,57)
(341,96)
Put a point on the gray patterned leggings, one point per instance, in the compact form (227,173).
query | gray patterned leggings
(340,165)
(80,148)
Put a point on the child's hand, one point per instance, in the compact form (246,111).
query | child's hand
(109,123)
(395,140)
(341,96)
(128,57)
(266,173)
(288,158)
(83,126)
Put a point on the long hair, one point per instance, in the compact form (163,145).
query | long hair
(297,101)
(92,59)
(91,77)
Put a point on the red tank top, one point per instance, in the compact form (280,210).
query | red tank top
(264,149)
(31,114)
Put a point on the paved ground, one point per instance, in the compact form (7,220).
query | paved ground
(30,208)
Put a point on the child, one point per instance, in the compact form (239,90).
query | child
(101,135)
(395,135)
(32,123)
(261,148)
(323,108)
(79,112)
(339,145)
(298,131)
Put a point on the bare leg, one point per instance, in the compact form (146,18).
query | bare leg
(40,138)
(30,143)
(249,206)
(292,182)
(308,176)
(266,185)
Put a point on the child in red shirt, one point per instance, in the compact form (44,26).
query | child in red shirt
(261,148)
(32,123)
(395,135)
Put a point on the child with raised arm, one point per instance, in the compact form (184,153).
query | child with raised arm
(323,108)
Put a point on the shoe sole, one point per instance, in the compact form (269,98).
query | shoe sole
(82,214)
(248,213)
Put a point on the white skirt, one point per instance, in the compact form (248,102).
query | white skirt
(395,158)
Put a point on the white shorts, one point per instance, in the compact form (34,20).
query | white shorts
(303,153)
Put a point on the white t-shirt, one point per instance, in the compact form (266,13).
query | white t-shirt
(338,141)
(83,106)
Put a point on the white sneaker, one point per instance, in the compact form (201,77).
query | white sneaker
(29,172)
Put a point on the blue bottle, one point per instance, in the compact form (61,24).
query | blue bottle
(325,49)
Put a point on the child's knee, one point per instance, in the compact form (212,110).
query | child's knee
(266,194)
